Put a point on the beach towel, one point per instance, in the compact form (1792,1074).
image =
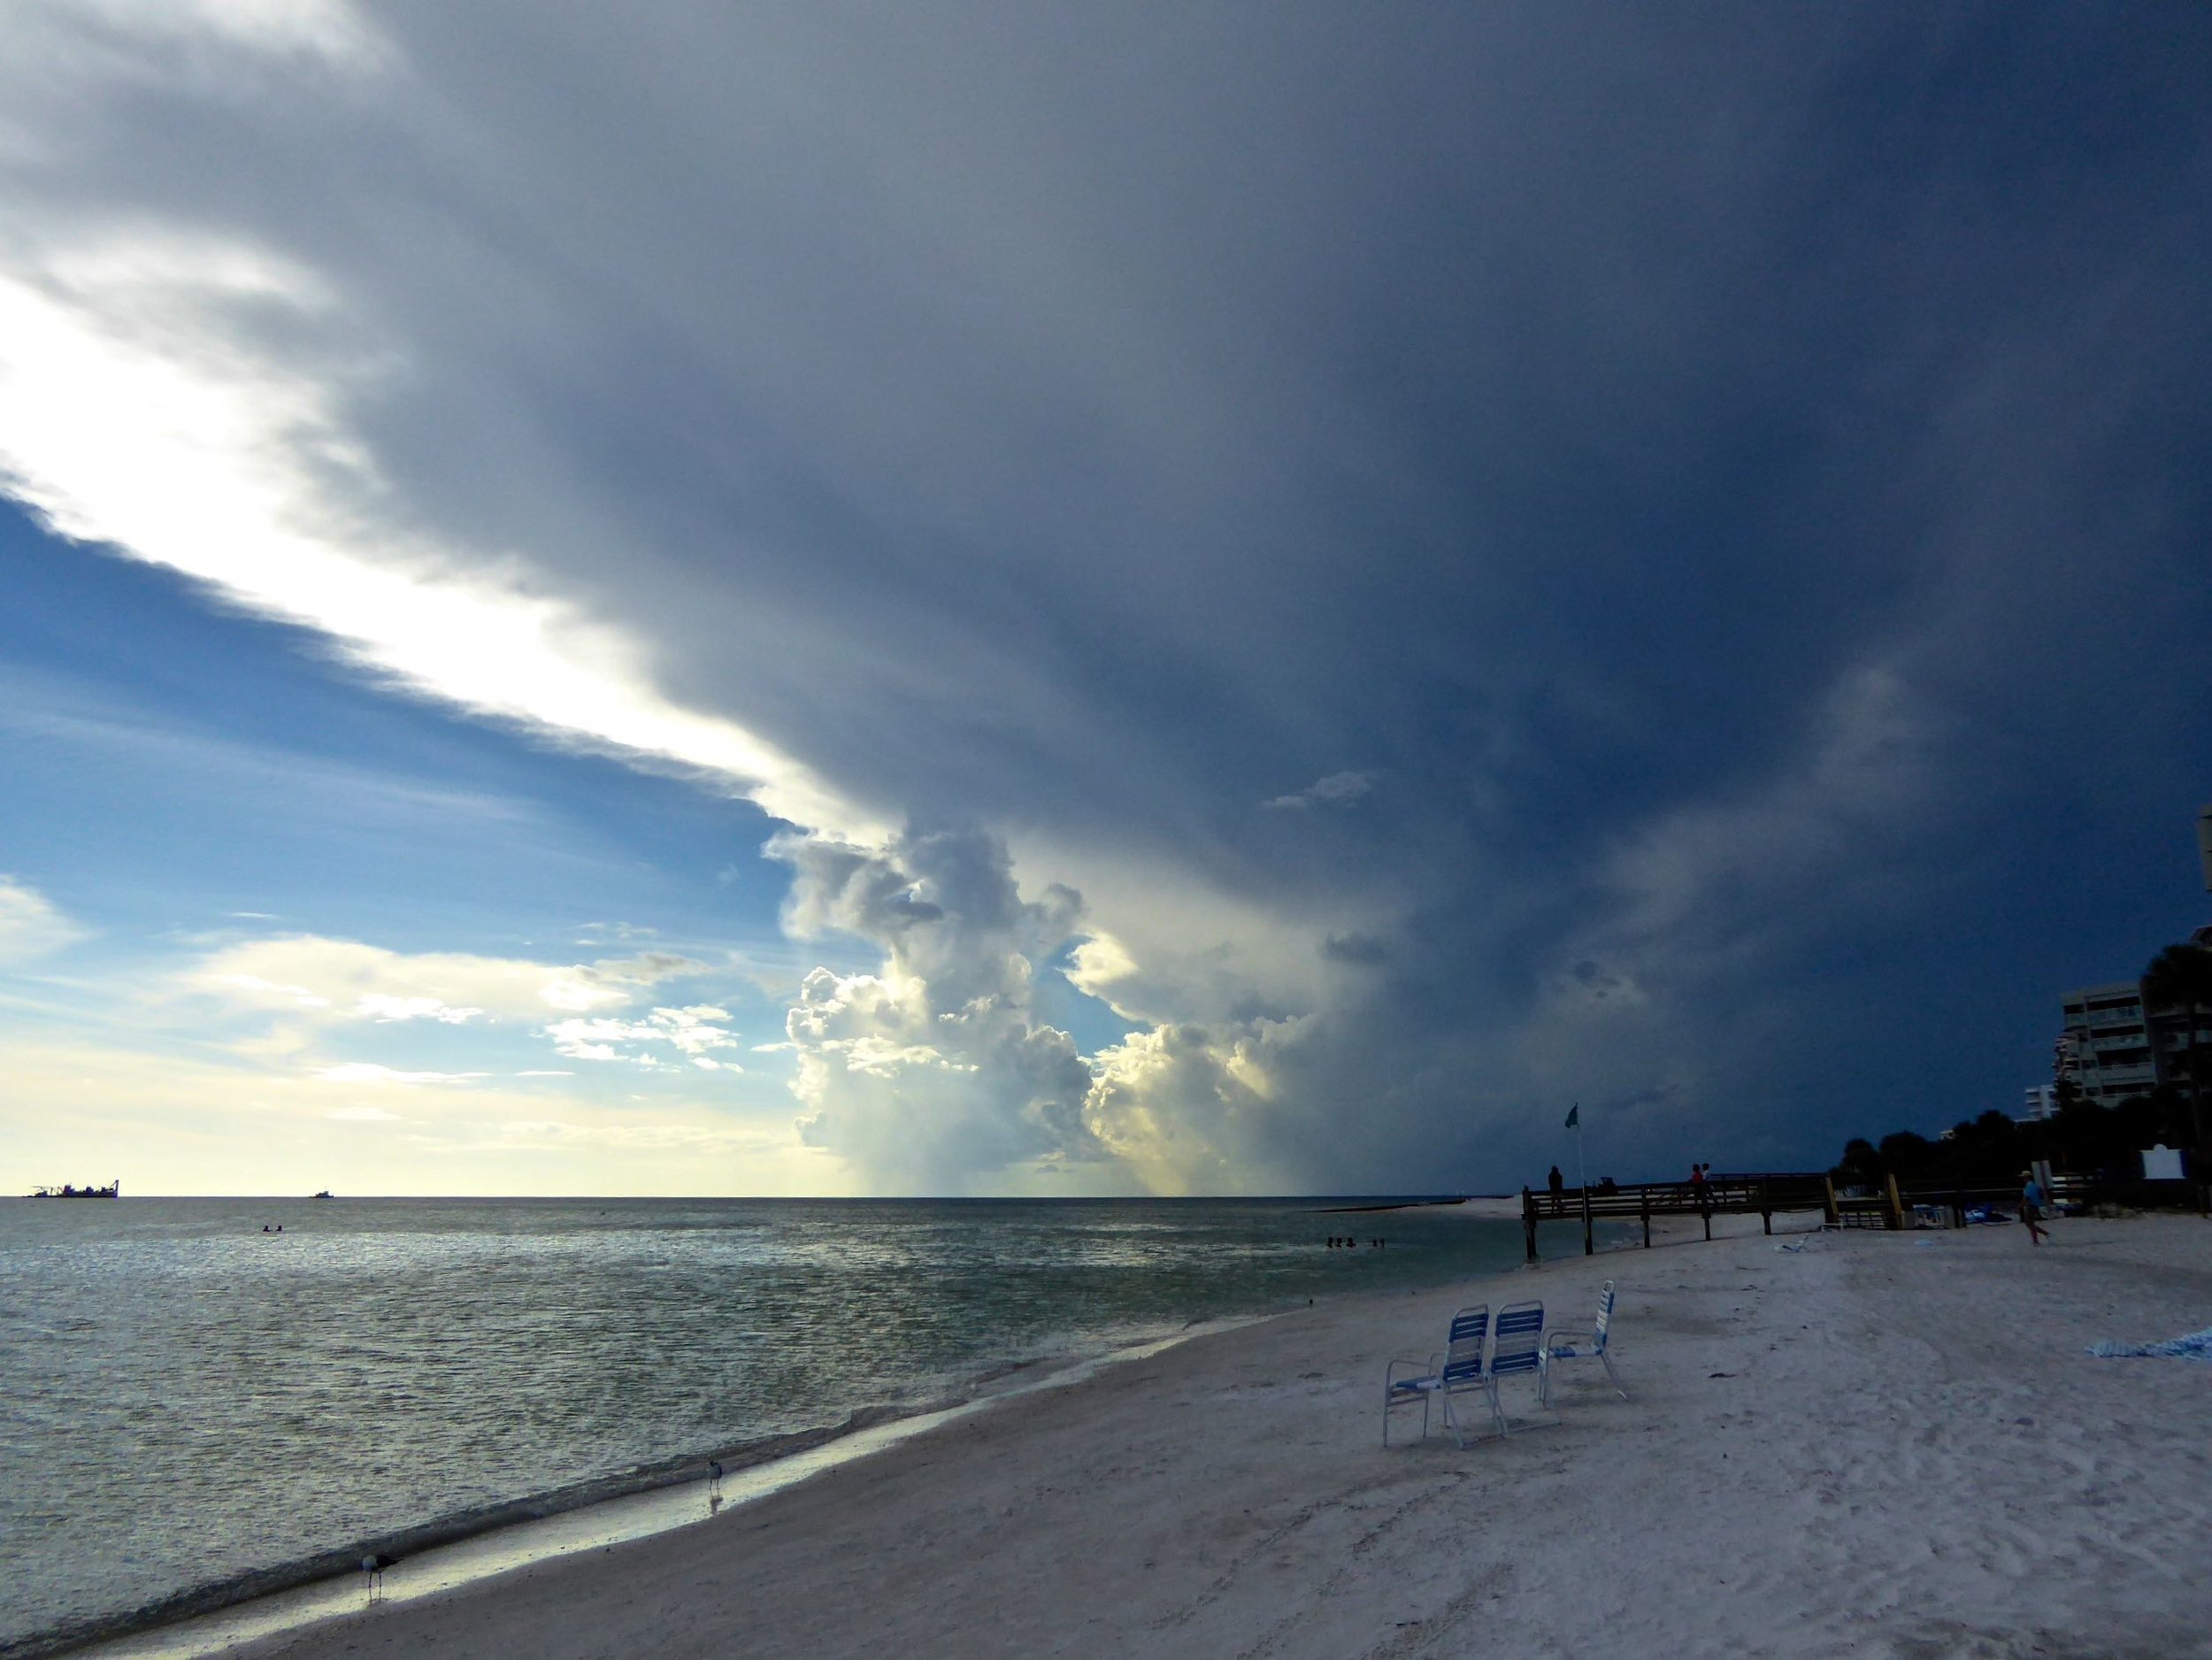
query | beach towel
(2195,1346)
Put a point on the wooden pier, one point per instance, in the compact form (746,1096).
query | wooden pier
(1759,1194)
(1762,1194)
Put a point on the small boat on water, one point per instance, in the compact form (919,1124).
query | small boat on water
(324,1194)
(67,1190)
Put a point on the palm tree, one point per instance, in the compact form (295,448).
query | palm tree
(2180,977)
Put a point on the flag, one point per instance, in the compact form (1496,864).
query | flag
(1574,1116)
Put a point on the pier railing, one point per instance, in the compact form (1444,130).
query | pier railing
(1763,1194)
(1759,1194)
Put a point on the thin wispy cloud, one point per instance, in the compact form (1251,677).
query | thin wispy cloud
(367,1073)
(1338,789)
(31,924)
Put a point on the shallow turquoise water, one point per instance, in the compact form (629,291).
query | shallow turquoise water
(188,1402)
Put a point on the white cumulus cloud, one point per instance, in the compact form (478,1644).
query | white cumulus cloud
(936,1069)
(692,1032)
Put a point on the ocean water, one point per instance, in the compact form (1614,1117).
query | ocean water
(192,1409)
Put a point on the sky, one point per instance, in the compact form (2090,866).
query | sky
(791,599)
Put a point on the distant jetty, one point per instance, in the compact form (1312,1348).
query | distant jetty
(113,1190)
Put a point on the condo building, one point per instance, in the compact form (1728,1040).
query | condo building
(2116,1052)
(2114,1056)
(2111,1047)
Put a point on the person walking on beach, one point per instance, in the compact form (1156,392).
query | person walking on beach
(2031,1206)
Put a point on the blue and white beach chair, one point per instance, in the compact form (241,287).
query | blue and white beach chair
(1579,1348)
(1457,1371)
(1516,1347)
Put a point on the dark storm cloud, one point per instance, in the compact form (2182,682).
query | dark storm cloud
(1723,467)
(1362,949)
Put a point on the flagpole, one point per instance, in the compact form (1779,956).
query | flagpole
(1582,1176)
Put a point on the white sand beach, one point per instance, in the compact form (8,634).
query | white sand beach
(1879,1445)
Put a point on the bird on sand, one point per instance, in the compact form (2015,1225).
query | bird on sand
(373,1570)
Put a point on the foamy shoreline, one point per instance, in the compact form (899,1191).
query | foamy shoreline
(293,1593)
(451,1552)
(1880,1444)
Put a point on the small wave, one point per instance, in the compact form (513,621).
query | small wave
(213,1595)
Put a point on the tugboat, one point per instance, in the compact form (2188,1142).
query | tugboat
(113,1190)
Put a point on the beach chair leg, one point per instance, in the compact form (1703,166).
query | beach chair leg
(1617,1385)
(1390,1399)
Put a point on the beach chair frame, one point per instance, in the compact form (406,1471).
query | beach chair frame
(1575,1346)
(1457,1371)
(1516,1345)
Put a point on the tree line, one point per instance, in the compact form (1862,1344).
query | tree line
(2082,1136)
